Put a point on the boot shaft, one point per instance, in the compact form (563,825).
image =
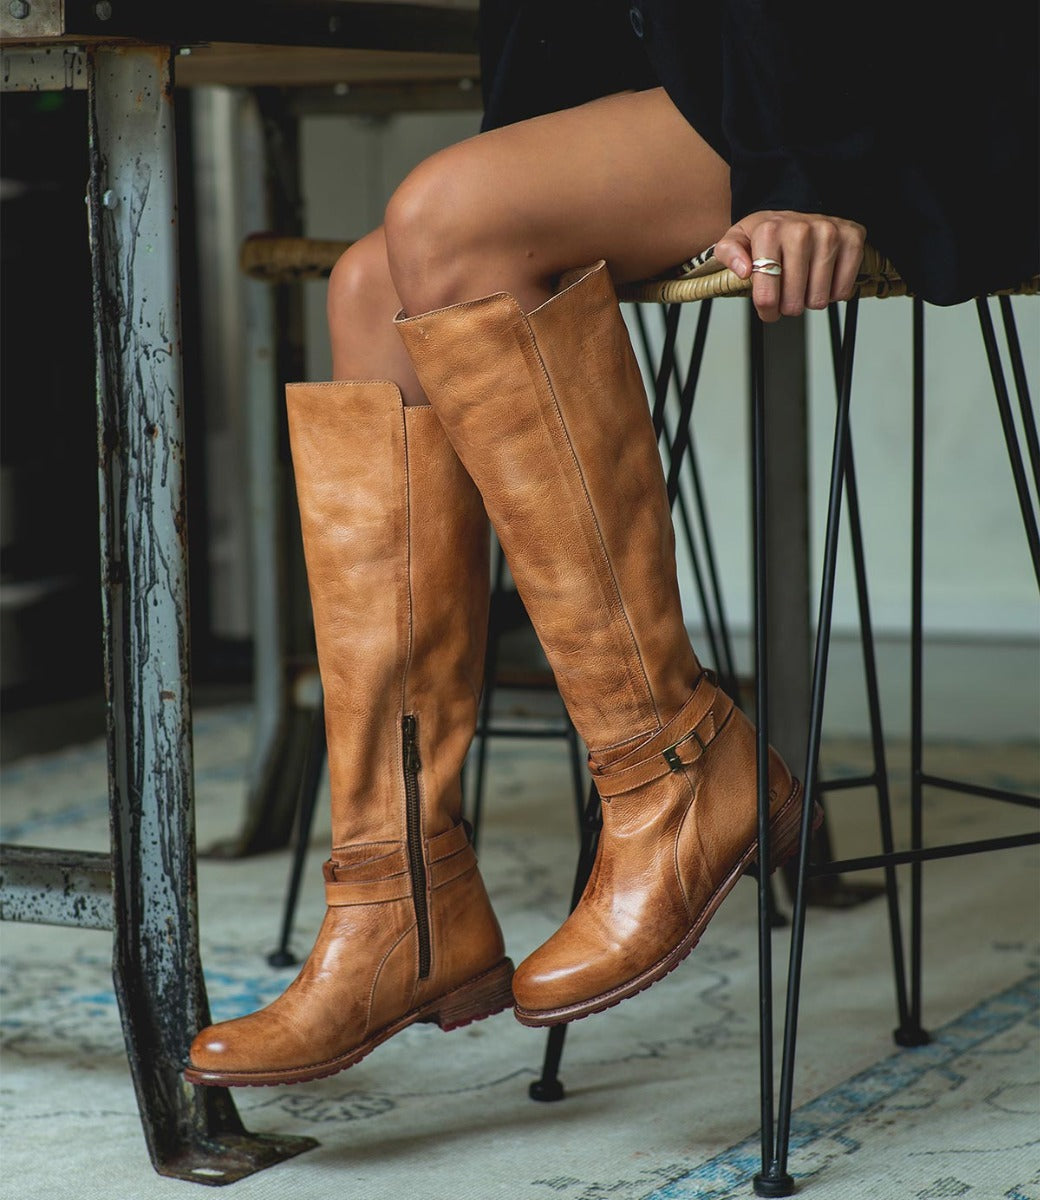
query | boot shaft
(549,414)
(396,545)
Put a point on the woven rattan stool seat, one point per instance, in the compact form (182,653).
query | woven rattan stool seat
(708,279)
(287,259)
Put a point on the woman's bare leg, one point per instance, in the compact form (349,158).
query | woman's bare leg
(624,178)
(360,305)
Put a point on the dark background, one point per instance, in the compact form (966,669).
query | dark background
(51,681)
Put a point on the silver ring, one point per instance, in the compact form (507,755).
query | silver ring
(766,266)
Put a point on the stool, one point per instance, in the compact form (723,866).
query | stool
(877,278)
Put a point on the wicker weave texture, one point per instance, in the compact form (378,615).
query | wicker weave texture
(287,259)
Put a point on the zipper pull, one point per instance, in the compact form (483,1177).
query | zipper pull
(410,730)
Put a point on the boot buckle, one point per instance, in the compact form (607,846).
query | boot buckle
(671,753)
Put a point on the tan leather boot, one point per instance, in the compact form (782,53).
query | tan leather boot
(396,543)
(549,415)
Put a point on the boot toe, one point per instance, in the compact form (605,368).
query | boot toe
(560,975)
(210,1049)
(257,1043)
(220,1048)
(595,959)
(542,985)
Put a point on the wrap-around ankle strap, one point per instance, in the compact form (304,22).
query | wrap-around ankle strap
(448,855)
(678,744)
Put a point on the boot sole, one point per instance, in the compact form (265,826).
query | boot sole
(483,996)
(784,832)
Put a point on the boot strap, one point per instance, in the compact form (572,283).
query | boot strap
(448,855)
(341,893)
(682,741)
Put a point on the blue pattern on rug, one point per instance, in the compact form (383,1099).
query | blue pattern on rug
(832,1113)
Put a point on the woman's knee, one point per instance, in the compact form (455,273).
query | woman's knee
(436,223)
(359,283)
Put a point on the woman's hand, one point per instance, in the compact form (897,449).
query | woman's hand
(818,258)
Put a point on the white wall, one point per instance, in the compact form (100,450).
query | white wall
(978,580)
(351,165)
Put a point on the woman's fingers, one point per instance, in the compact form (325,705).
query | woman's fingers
(733,250)
(820,281)
(796,236)
(847,263)
(797,260)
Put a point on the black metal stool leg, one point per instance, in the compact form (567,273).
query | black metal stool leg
(915,1034)
(1018,371)
(577,774)
(307,799)
(662,378)
(490,675)
(906,1032)
(716,626)
(770,1182)
(675,448)
(681,442)
(667,373)
(1007,422)
(774,1174)
(682,450)
(548,1087)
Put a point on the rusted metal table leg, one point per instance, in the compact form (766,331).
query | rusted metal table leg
(192,1133)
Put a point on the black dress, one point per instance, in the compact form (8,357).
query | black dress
(916,120)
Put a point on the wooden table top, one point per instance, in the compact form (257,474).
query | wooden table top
(422,26)
(281,43)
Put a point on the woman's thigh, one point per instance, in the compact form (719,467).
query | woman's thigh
(624,177)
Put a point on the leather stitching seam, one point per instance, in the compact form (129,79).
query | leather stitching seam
(379,971)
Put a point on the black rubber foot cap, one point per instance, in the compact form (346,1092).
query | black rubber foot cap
(546,1090)
(773,1185)
(911,1037)
(282,958)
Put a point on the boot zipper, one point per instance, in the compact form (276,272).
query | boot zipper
(413,817)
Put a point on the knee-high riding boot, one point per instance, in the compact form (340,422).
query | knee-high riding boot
(396,544)
(549,415)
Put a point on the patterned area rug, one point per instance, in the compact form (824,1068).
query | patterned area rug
(662,1096)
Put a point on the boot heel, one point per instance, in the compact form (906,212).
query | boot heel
(786,827)
(484,996)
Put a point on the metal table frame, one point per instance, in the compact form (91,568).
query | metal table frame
(145,890)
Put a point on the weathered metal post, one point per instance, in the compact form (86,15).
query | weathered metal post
(192,1133)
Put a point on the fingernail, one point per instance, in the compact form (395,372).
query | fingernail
(739,268)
